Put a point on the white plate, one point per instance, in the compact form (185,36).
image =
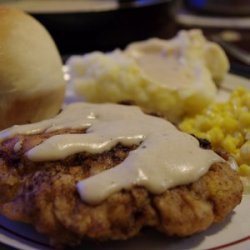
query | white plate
(232,234)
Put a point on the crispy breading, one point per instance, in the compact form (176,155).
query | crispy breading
(44,194)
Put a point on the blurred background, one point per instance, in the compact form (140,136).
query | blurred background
(81,26)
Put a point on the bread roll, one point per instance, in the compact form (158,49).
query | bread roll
(32,86)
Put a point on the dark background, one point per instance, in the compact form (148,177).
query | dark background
(82,32)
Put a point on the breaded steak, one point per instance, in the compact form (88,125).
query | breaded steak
(44,194)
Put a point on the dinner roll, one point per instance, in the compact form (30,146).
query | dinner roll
(32,86)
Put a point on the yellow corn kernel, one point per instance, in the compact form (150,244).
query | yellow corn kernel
(215,135)
(187,125)
(203,123)
(229,144)
(244,170)
(244,119)
(230,124)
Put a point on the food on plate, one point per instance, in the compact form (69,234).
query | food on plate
(106,171)
(227,126)
(32,86)
(171,78)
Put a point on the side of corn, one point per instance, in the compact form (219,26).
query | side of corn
(227,126)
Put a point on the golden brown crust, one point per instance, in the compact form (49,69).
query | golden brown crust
(44,194)
(192,208)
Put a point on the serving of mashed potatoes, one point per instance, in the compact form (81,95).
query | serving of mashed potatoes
(172,78)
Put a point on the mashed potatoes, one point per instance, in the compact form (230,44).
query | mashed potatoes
(227,126)
(172,78)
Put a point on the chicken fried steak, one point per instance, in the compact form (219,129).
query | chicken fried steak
(67,194)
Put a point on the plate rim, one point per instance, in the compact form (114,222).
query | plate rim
(76,10)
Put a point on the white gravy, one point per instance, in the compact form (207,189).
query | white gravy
(165,157)
(177,64)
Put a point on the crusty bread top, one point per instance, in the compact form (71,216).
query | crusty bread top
(29,59)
